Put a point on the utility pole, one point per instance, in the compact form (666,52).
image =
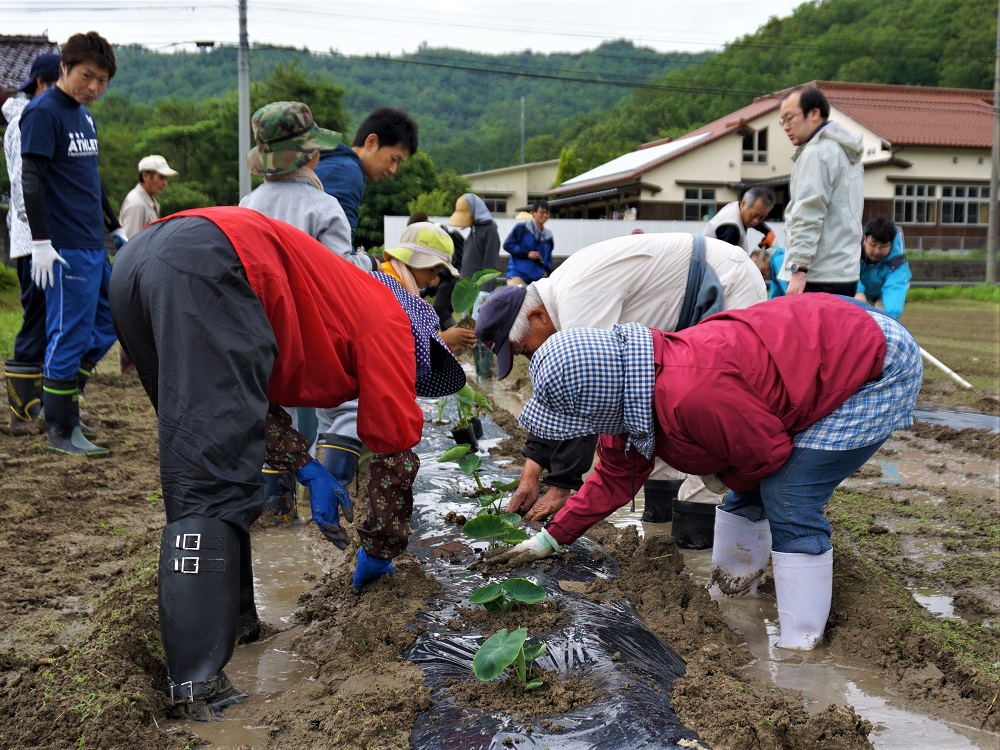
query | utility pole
(991,243)
(522,130)
(243,87)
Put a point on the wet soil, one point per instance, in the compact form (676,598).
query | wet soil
(81,663)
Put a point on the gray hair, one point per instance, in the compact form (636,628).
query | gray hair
(520,328)
(759,192)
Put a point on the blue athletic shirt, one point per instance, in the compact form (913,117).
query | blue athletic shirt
(57,127)
(342,176)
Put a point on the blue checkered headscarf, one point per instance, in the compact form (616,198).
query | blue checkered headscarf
(588,381)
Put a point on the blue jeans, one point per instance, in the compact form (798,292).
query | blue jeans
(794,498)
(78,317)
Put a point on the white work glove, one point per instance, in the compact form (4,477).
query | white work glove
(713,483)
(541,545)
(119,237)
(43,258)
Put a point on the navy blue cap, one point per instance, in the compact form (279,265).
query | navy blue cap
(496,316)
(46,66)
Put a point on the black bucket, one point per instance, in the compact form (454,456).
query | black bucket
(693,524)
(659,503)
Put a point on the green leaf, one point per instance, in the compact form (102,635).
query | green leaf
(469,463)
(533,684)
(510,535)
(502,486)
(455,453)
(463,296)
(486,594)
(486,526)
(485,500)
(523,590)
(482,402)
(497,653)
(533,652)
(512,518)
(484,276)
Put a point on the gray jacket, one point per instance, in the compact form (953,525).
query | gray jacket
(298,202)
(823,219)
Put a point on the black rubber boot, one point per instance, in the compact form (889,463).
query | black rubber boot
(339,454)
(82,376)
(281,506)
(693,525)
(24,394)
(62,419)
(660,495)
(248,626)
(199,593)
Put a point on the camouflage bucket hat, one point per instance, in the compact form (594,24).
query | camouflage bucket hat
(287,138)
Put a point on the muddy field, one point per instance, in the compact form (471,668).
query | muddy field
(81,663)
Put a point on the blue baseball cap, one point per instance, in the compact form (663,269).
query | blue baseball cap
(496,317)
(46,66)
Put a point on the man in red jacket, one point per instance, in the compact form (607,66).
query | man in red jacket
(779,402)
(227,313)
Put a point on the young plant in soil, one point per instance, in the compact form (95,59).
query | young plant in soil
(501,529)
(503,649)
(468,462)
(465,293)
(500,597)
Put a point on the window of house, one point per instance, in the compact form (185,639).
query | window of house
(495,205)
(965,204)
(915,204)
(699,204)
(755,147)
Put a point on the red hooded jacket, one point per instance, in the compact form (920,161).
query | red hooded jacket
(730,395)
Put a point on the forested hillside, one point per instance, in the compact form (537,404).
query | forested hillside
(584,108)
(912,42)
(468,104)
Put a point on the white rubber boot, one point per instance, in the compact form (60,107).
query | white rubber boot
(804,587)
(739,557)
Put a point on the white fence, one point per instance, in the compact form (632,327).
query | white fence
(573,234)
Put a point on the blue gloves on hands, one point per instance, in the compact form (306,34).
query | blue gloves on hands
(369,569)
(326,496)
(119,237)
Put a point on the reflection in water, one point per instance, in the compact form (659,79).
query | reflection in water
(820,678)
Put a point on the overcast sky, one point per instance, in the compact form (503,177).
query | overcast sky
(397,26)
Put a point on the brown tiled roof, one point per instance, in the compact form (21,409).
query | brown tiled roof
(710,132)
(917,115)
(900,115)
(16,54)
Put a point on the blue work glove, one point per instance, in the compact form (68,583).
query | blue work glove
(119,237)
(370,569)
(326,494)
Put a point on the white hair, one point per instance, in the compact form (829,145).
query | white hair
(520,328)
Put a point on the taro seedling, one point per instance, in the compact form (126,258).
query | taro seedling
(467,461)
(500,597)
(502,528)
(503,649)
(465,293)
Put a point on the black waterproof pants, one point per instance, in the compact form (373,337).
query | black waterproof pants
(203,348)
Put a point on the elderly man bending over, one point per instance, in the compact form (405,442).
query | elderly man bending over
(665,281)
(780,402)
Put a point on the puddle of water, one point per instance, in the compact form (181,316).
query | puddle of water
(821,679)
(935,602)
(958,420)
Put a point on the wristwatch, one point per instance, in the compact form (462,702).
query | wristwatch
(796,268)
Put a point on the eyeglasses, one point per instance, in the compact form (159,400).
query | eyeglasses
(782,121)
